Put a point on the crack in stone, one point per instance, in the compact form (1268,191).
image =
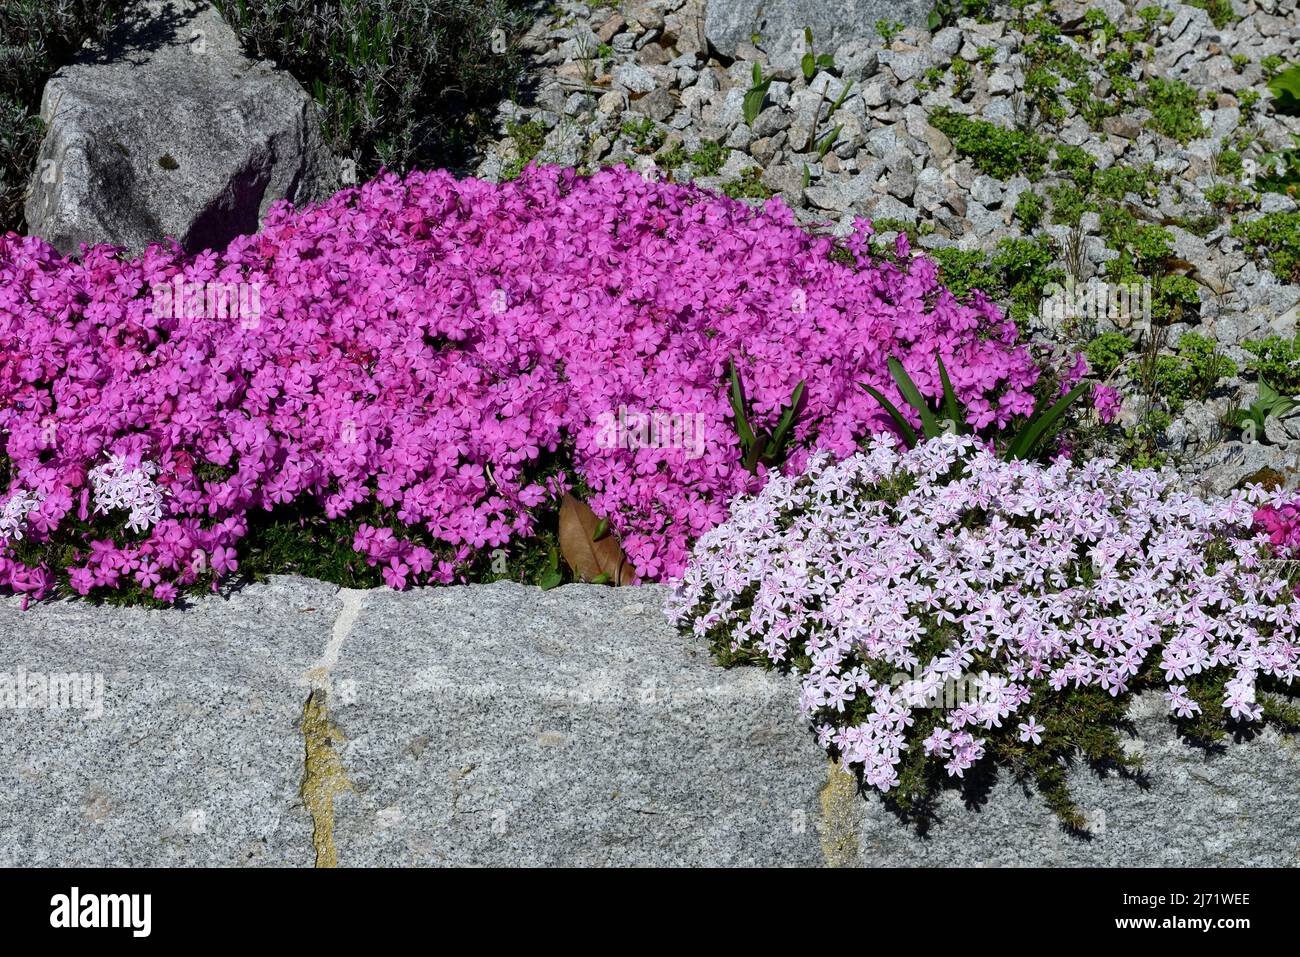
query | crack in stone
(839,831)
(324,775)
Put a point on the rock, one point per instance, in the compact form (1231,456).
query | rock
(887,207)
(500,725)
(735,165)
(1233,462)
(658,105)
(786,180)
(771,121)
(857,61)
(613,24)
(931,190)
(875,92)
(1001,82)
(806,106)
(1124,124)
(685,29)
(740,139)
(195,759)
(765,149)
(1276,203)
(946,41)
(612,102)
(987,191)
(728,23)
(168,130)
(901,178)
(634,78)
(904,65)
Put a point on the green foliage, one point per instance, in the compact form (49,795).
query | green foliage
(1106,352)
(755,96)
(887,30)
(1069,203)
(673,157)
(528,136)
(1285,87)
(1115,182)
(945,12)
(1228,163)
(749,185)
(1175,110)
(36,38)
(1026,443)
(709,159)
(1014,274)
(1029,210)
(758,446)
(1275,237)
(1282,170)
(1276,360)
(1189,375)
(1220,11)
(643,134)
(1229,197)
(811,61)
(401,83)
(993,149)
(1270,402)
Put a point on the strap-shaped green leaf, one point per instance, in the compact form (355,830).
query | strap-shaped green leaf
(1036,429)
(740,407)
(950,405)
(783,427)
(929,424)
(904,427)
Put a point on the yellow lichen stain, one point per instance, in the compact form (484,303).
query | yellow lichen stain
(324,777)
(839,830)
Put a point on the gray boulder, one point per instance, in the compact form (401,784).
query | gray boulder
(780,23)
(168,130)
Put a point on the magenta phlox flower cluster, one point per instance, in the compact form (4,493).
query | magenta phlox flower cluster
(449,352)
(1031,579)
(1282,523)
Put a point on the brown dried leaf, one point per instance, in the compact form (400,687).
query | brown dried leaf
(589,559)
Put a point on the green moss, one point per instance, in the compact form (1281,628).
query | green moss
(324,777)
(1274,238)
(1175,109)
(1029,210)
(709,159)
(749,185)
(993,149)
(1106,352)
(1277,362)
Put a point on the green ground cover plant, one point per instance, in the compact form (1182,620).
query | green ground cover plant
(36,38)
(401,83)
